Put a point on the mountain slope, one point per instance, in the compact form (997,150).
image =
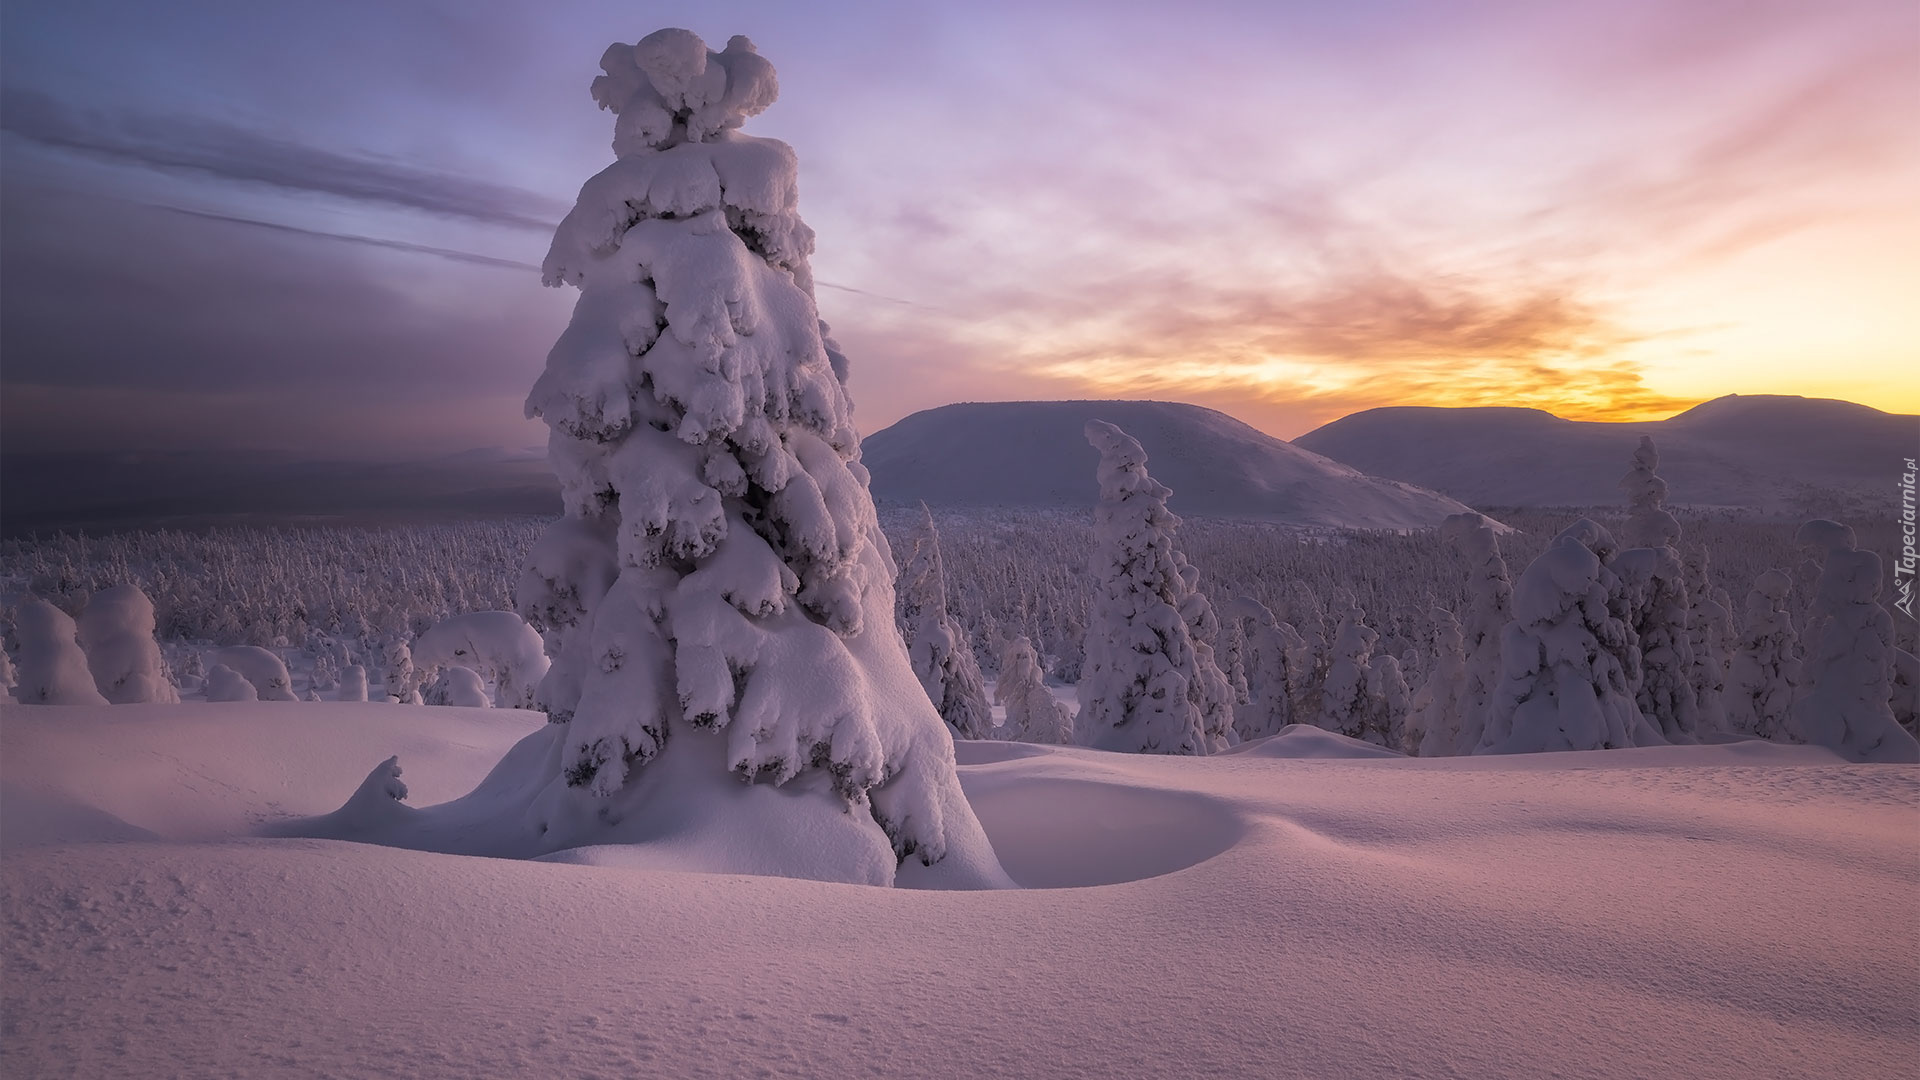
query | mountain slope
(1773,454)
(1033,454)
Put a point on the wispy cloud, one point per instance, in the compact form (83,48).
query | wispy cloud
(233,153)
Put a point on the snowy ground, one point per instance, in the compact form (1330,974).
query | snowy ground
(1286,910)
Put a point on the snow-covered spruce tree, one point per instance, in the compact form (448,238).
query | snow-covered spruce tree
(1141,690)
(353,684)
(496,645)
(225,684)
(1033,714)
(941,651)
(1764,677)
(1653,583)
(1216,696)
(1345,707)
(402,678)
(1563,684)
(116,630)
(1710,630)
(51,669)
(1277,663)
(261,667)
(1387,703)
(1488,613)
(1850,675)
(8,679)
(718,598)
(1440,692)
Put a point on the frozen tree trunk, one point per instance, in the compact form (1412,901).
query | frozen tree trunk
(496,645)
(1850,673)
(1141,690)
(1764,677)
(1489,610)
(116,630)
(1033,714)
(1653,582)
(718,598)
(1563,684)
(938,645)
(1441,692)
(52,668)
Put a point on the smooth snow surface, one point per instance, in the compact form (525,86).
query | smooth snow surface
(1775,454)
(1304,906)
(1033,454)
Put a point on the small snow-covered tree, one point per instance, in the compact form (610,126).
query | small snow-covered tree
(1345,705)
(401,679)
(52,669)
(7,677)
(1033,714)
(1140,690)
(1653,584)
(261,667)
(353,684)
(1488,612)
(718,597)
(496,645)
(461,686)
(1278,664)
(1215,690)
(116,630)
(1387,703)
(1563,684)
(1711,634)
(1441,692)
(941,651)
(1850,675)
(225,684)
(1764,676)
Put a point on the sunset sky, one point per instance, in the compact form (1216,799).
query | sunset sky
(309,228)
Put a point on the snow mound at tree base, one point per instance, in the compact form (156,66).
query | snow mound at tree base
(1484,917)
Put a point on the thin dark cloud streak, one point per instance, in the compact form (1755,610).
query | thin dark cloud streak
(238,154)
(456,255)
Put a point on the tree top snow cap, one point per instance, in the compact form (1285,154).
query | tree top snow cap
(670,88)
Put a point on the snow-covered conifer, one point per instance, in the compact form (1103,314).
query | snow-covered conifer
(1653,586)
(1215,690)
(1563,684)
(225,684)
(496,645)
(52,669)
(1387,703)
(1850,675)
(1711,634)
(1441,691)
(7,677)
(718,597)
(401,678)
(1140,691)
(261,667)
(1278,665)
(116,630)
(1489,610)
(940,648)
(1345,706)
(460,686)
(1764,677)
(353,684)
(1033,714)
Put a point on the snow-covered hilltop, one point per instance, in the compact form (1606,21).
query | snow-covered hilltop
(1789,456)
(1035,454)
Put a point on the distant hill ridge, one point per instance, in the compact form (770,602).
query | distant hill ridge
(1772,454)
(1034,454)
